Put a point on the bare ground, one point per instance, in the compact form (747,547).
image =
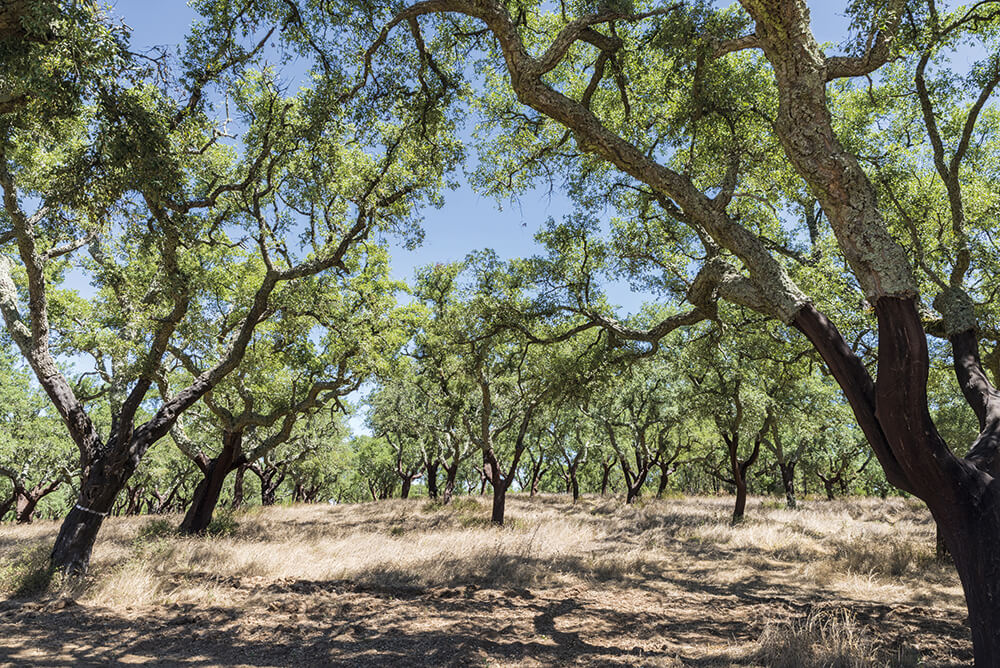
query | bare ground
(407,583)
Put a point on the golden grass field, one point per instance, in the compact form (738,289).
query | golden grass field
(409,583)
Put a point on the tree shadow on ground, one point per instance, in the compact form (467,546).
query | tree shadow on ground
(347,623)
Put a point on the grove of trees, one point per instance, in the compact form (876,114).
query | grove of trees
(195,272)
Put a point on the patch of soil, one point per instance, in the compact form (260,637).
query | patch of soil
(304,623)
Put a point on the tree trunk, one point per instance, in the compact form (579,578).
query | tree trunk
(75,542)
(536,476)
(135,501)
(788,482)
(26,504)
(940,547)
(633,485)
(451,474)
(268,492)
(432,480)
(238,486)
(206,495)
(405,491)
(741,500)
(102,480)
(574,484)
(971,533)
(632,494)
(499,500)
(740,470)
(605,475)
(828,485)
(662,487)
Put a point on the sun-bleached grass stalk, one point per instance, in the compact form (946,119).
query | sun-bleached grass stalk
(824,639)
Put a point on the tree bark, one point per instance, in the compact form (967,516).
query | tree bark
(739,471)
(606,468)
(662,486)
(788,482)
(536,477)
(741,500)
(829,484)
(405,491)
(432,482)
(25,508)
(634,485)
(238,486)
(206,495)
(451,474)
(104,477)
(971,534)
(499,502)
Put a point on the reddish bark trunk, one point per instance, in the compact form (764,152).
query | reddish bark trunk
(499,502)
(451,474)
(238,486)
(788,482)
(25,508)
(103,479)
(206,495)
(432,482)
(606,467)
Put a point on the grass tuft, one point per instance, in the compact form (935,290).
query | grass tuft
(27,572)
(223,524)
(824,639)
(882,554)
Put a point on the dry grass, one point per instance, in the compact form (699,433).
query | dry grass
(848,583)
(821,640)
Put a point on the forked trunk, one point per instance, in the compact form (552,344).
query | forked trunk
(536,477)
(206,495)
(633,491)
(26,505)
(740,470)
(634,482)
